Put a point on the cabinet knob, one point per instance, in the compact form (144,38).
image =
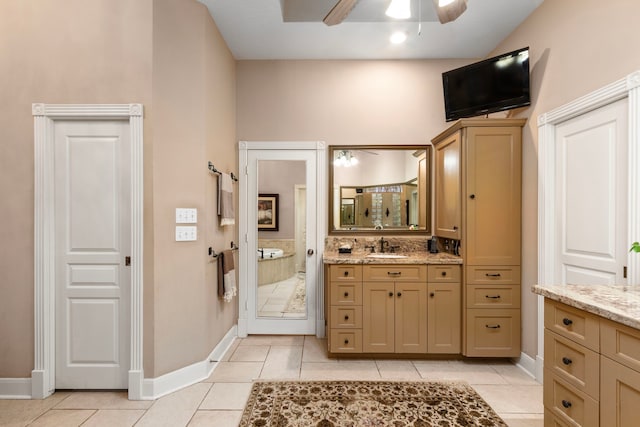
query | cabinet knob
(399,294)
(444,273)
(346,273)
(346,317)
(390,294)
(566,404)
(567,361)
(567,321)
(455,227)
(346,341)
(432,294)
(346,294)
(472,196)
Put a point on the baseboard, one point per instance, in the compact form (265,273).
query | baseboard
(539,368)
(154,388)
(528,364)
(15,388)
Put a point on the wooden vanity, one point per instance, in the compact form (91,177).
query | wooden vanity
(591,355)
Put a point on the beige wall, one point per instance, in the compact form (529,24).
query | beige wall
(96,51)
(576,46)
(194,105)
(169,56)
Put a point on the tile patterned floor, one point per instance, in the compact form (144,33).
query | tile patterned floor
(218,401)
(273,298)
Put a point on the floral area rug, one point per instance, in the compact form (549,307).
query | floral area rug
(366,403)
(297,301)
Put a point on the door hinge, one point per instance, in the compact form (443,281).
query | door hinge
(624,272)
(127,260)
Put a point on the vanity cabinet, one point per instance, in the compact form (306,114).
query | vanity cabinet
(478,201)
(345,308)
(444,309)
(394,309)
(591,369)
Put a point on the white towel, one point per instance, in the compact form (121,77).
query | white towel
(225,200)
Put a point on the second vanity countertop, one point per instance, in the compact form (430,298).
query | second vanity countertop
(614,302)
(333,257)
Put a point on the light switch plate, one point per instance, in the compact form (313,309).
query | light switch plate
(186,233)
(186,215)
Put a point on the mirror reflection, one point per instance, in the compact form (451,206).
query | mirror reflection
(380,189)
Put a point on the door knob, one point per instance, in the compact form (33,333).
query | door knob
(309,252)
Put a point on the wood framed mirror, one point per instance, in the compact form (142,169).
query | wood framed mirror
(377,189)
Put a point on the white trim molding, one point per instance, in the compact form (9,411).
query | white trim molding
(627,87)
(154,388)
(43,374)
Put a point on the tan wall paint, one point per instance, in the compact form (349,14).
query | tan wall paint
(577,46)
(96,51)
(194,105)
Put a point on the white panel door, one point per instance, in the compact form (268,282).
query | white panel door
(93,235)
(591,194)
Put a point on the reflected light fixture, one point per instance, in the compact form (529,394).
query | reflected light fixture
(345,158)
(399,9)
(398,37)
(449,10)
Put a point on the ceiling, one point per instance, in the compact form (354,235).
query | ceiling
(293,29)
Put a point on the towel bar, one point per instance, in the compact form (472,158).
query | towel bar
(214,254)
(213,169)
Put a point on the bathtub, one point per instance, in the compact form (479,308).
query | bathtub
(269,253)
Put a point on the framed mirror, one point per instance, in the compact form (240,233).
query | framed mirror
(380,189)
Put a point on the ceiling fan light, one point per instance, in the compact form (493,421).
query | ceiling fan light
(450,11)
(398,37)
(399,9)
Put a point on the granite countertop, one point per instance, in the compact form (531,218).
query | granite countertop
(614,302)
(333,257)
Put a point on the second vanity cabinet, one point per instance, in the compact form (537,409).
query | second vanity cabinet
(394,308)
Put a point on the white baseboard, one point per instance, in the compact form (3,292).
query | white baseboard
(15,388)
(528,364)
(539,368)
(154,388)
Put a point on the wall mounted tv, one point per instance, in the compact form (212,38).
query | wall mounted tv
(495,84)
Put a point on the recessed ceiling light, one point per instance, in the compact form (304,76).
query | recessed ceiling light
(399,9)
(398,37)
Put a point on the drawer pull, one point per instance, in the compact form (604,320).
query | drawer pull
(566,404)
(346,317)
(346,341)
(492,296)
(346,294)
(390,294)
(399,294)
(394,273)
(567,361)
(346,273)
(492,326)
(567,321)
(444,273)
(492,274)
(432,294)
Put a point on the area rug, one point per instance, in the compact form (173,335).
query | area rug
(297,302)
(366,403)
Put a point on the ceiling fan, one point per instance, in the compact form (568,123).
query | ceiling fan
(448,10)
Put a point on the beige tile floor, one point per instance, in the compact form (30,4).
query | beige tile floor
(218,401)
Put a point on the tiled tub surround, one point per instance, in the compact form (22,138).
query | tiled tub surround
(272,270)
(614,302)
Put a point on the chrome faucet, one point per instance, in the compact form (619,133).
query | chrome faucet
(382,244)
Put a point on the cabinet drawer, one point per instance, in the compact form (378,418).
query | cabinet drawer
(568,404)
(551,420)
(572,323)
(346,293)
(346,341)
(345,273)
(395,273)
(493,296)
(493,333)
(620,396)
(620,343)
(444,273)
(572,362)
(500,275)
(346,317)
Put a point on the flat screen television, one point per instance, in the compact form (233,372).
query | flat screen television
(495,84)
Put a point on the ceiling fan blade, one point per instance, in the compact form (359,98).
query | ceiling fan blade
(451,11)
(339,12)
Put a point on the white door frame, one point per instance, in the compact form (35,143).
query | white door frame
(43,374)
(243,225)
(628,87)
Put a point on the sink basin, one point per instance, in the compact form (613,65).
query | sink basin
(386,256)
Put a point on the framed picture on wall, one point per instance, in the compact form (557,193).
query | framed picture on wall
(268,212)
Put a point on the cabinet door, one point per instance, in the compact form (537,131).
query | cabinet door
(444,318)
(619,394)
(378,317)
(492,195)
(410,318)
(448,207)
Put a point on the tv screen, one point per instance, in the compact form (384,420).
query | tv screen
(495,84)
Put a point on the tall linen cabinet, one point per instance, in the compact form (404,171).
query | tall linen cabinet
(478,202)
